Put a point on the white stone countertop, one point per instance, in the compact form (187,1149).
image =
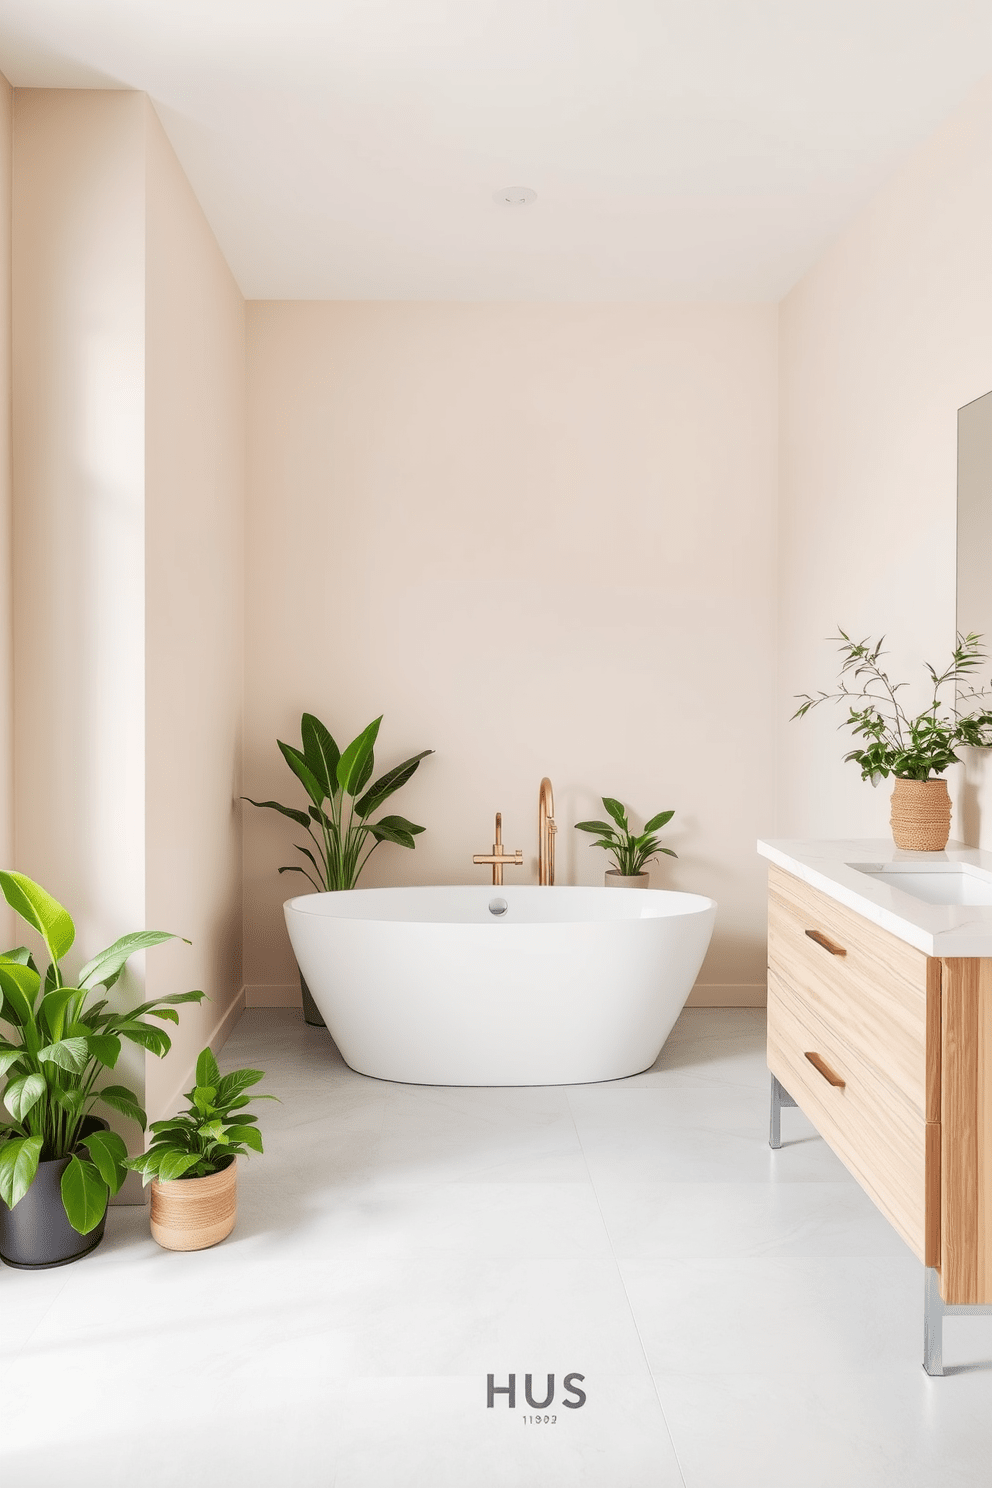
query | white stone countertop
(935,929)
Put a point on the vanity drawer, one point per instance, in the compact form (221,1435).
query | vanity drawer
(865,986)
(880,1139)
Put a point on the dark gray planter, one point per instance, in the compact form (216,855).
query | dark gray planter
(311,1012)
(35,1235)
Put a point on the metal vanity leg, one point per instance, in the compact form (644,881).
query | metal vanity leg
(780,1098)
(935,1309)
(933,1324)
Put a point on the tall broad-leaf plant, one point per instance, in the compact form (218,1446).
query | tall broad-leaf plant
(342,835)
(58,1040)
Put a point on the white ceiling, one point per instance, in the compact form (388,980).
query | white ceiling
(690,149)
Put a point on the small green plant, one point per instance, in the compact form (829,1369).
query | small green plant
(910,748)
(214,1129)
(630,852)
(60,1043)
(341,803)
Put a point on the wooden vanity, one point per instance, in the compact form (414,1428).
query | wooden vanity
(888,1051)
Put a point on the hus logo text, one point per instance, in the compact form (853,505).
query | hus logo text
(508,1392)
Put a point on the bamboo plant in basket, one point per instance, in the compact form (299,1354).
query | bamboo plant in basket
(915,749)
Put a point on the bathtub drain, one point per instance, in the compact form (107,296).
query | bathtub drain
(497,906)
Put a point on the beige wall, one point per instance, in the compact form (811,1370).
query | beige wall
(881,344)
(79,339)
(6,504)
(129,485)
(541,540)
(194,535)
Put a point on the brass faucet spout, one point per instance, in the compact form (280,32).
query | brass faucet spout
(546,830)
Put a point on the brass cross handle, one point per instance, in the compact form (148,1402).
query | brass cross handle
(497,857)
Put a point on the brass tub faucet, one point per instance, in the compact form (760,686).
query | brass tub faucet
(497,857)
(546,829)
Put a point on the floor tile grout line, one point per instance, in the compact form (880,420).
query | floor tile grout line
(630,1307)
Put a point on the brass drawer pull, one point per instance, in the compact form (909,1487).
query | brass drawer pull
(824,1069)
(828,945)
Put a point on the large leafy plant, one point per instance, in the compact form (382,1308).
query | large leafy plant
(62,1040)
(630,851)
(910,747)
(214,1129)
(342,802)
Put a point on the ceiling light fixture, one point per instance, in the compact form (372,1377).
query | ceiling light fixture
(515,196)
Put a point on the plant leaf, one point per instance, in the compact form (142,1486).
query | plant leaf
(297,763)
(594,826)
(207,1072)
(658,821)
(67,1100)
(232,1085)
(146,1164)
(168,1015)
(19,985)
(155,1040)
(249,1136)
(295,868)
(109,1154)
(320,751)
(617,812)
(105,1047)
(355,765)
(18,1164)
(105,968)
(21,955)
(84,1195)
(51,1012)
(146,1007)
(41,911)
(383,832)
(21,1095)
(300,817)
(174,1164)
(70,1054)
(119,1098)
(203,1098)
(399,824)
(387,784)
(8,1058)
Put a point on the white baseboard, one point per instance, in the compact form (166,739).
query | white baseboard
(273,996)
(217,1039)
(132,1192)
(731,994)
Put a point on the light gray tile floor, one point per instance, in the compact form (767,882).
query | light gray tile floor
(740,1316)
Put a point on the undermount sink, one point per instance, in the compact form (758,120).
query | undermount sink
(935,883)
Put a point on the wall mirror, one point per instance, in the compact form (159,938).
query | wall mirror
(974,551)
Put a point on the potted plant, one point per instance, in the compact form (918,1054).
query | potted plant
(342,836)
(192,1163)
(59,1163)
(630,852)
(917,749)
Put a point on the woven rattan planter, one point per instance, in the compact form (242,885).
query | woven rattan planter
(194,1213)
(921,815)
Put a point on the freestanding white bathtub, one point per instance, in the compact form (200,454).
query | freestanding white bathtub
(500,986)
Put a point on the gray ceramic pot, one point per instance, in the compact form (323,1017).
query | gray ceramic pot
(615,880)
(36,1234)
